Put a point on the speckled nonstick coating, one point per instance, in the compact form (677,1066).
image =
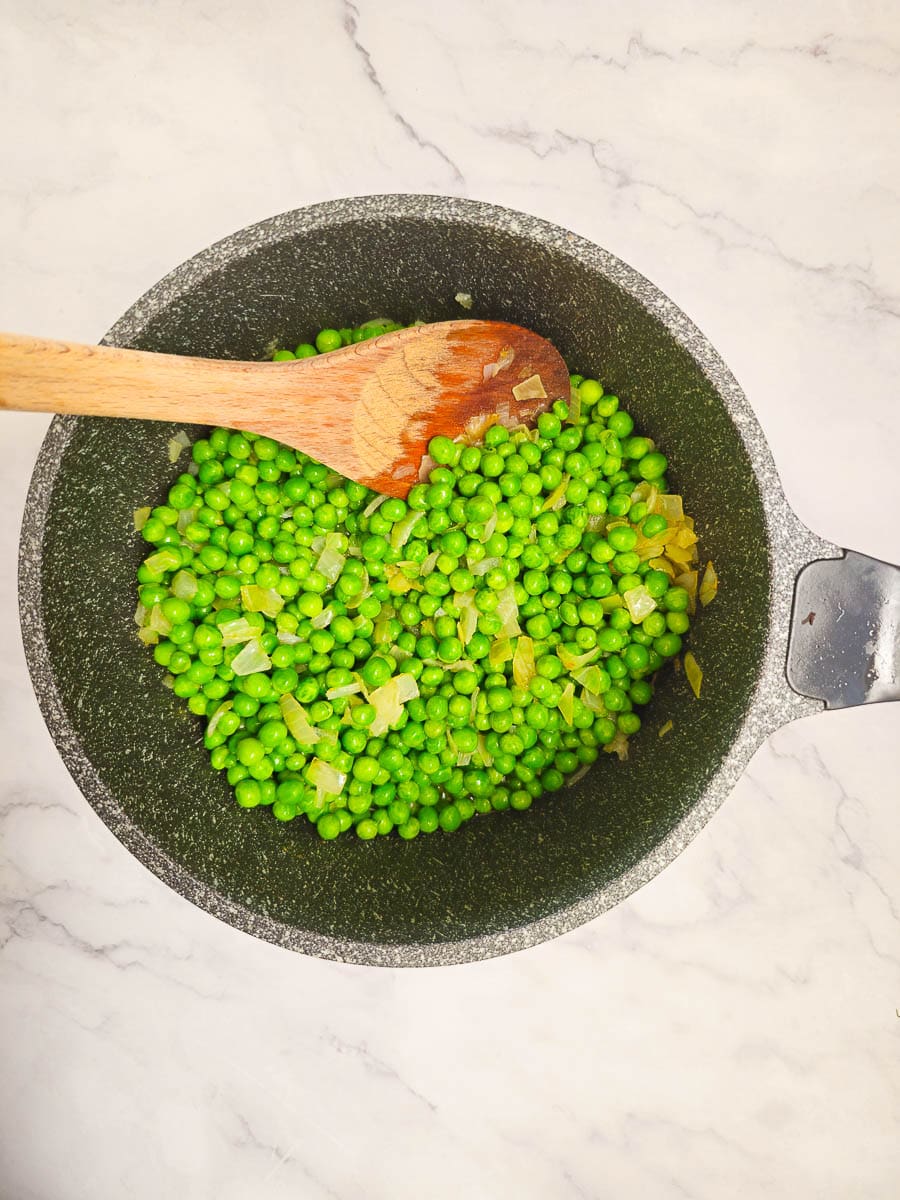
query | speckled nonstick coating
(506,881)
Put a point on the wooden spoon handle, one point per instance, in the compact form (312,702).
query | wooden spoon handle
(38,375)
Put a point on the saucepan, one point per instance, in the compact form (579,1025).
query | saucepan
(798,625)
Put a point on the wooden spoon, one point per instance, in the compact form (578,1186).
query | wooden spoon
(367,410)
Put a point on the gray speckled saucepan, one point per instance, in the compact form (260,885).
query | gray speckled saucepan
(507,881)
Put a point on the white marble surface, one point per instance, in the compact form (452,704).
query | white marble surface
(733,1029)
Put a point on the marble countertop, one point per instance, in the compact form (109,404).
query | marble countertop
(732,1030)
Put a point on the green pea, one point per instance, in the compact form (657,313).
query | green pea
(328,339)
(652,466)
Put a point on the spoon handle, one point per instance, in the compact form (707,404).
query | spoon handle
(39,375)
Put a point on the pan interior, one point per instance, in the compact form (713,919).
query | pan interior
(498,872)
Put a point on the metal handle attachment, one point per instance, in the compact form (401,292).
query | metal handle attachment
(845,631)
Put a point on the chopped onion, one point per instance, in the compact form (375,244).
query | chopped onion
(299,727)
(566,703)
(177,445)
(139,517)
(403,471)
(140,615)
(402,531)
(348,689)
(484,565)
(596,523)
(158,622)
(663,564)
(464,299)
(501,652)
(363,594)
(508,612)
(373,504)
(573,661)
(642,491)
(669,507)
(217,717)
(639,603)
(557,497)
(148,636)
(530,389)
(399,584)
(664,729)
(239,630)
(647,549)
(486,757)
(185,517)
(330,562)
(594,703)
(426,466)
(490,525)
(326,780)
(693,672)
(619,746)
(407,688)
(382,630)
(504,360)
(264,600)
(523,662)
(388,702)
(575,406)
(251,659)
(184,585)
(288,639)
(594,680)
(461,664)
(428,564)
(680,555)
(463,760)
(468,622)
(687,580)
(477,426)
(162,561)
(323,619)
(709,585)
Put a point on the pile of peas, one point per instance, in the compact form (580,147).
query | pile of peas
(249,511)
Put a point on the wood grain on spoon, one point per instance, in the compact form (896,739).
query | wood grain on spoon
(367,410)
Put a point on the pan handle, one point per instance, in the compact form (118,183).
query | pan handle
(844,646)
